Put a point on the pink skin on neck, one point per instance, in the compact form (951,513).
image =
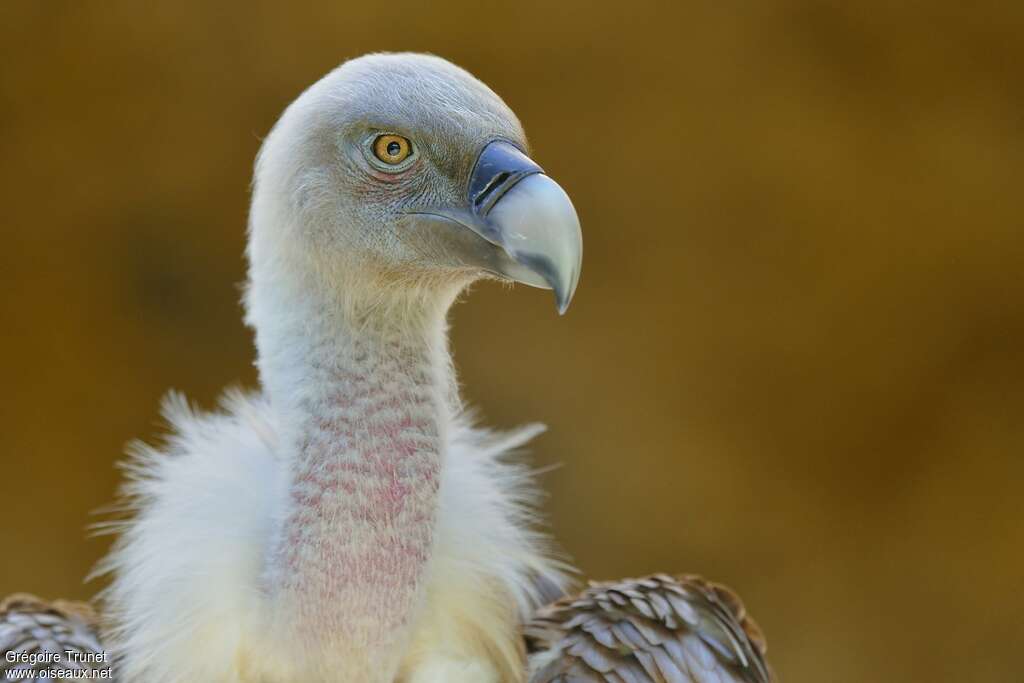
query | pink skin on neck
(355,541)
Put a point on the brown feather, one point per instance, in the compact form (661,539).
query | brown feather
(47,632)
(657,629)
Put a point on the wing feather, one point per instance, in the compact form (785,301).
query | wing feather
(39,636)
(658,629)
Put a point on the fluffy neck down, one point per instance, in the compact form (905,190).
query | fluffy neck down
(363,385)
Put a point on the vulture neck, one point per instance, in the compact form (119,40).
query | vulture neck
(362,385)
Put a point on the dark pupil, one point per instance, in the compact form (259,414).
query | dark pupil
(394,149)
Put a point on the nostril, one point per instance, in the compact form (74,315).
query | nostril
(494,183)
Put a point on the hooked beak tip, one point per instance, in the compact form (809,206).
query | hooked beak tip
(538,228)
(543,271)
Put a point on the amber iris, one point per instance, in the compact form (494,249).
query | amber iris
(392,149)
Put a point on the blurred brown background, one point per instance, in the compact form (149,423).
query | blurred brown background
(795,360)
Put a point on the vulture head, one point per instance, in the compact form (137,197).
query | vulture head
(402,173)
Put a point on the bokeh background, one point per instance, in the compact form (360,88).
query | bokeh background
(795,360)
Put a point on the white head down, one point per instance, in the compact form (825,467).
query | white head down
(404,173)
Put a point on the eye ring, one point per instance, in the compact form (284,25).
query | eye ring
(390,152)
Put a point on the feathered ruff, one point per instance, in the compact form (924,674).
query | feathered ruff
(186,601)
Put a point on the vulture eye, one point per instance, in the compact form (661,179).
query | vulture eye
(392,149)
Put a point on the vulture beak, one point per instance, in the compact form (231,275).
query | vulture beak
(530,226)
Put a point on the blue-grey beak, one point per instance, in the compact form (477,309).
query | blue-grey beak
(514,206)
